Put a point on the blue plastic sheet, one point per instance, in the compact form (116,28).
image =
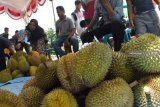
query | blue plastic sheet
(14,85)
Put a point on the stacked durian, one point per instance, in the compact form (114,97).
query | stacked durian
(78,80)
(21,65)
(95,76)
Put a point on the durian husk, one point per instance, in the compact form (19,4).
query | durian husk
(59,98)
(46,75)
(91,63)
(146,93)
(8,99)
(30,83)
(111,93)
(66,76)
(32,96)
(143,53)
(120,68)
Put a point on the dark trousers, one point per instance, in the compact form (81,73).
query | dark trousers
(116,28)
(2,61)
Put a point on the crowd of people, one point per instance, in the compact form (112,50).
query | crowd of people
(86,24)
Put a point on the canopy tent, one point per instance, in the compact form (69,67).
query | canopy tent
(17,9)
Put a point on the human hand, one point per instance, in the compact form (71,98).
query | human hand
(84,32)
(66,42)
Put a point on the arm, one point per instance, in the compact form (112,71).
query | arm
(115,13)
(157,2)
(57,30)
(71,33)
(95,17)
(130,13)
(73,29)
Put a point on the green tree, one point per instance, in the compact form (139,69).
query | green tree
(51,36)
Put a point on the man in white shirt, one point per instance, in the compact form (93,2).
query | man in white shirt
(77,17)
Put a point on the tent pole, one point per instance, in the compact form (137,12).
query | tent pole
(53,13)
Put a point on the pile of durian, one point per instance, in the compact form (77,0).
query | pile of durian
(96,76)
(22,64)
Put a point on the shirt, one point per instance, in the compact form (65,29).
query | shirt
(141,6)
(80,17)
(89,9)
(64,26)
(23,37)
(100,9)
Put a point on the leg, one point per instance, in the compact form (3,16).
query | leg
(153,23)
(140,27)
(98,32)
(74,42)
(57,45)
(117,29)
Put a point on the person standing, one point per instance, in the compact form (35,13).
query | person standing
(65,30)
(37,37)
(23,39)
(6,33)
(78,16)
(143,17)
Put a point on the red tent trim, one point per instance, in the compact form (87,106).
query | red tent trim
(15,14)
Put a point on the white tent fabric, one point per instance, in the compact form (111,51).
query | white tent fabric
(17,9)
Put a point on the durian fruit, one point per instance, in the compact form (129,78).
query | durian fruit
(33,70)
(18,54)
(5,75)
(19,75)
(140,43)
(30,83)
(12,64)
(8,99)
(66,76)
(143,53)
(91,63)
(35,54)
(34,61)
(111,93)
(46,76)
(21,58)
(120,68)
(23,65)
(32,96)
(43,58)
(59,98)
(146,93)
(16,73)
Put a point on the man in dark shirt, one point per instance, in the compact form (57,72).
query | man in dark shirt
(4,43)
(5,34)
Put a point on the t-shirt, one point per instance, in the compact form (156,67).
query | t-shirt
(4,35)
(142,6)
(80,17)
(4,43)
(89,9)
(64,26)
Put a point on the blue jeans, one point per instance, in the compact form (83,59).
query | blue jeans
(58,42)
